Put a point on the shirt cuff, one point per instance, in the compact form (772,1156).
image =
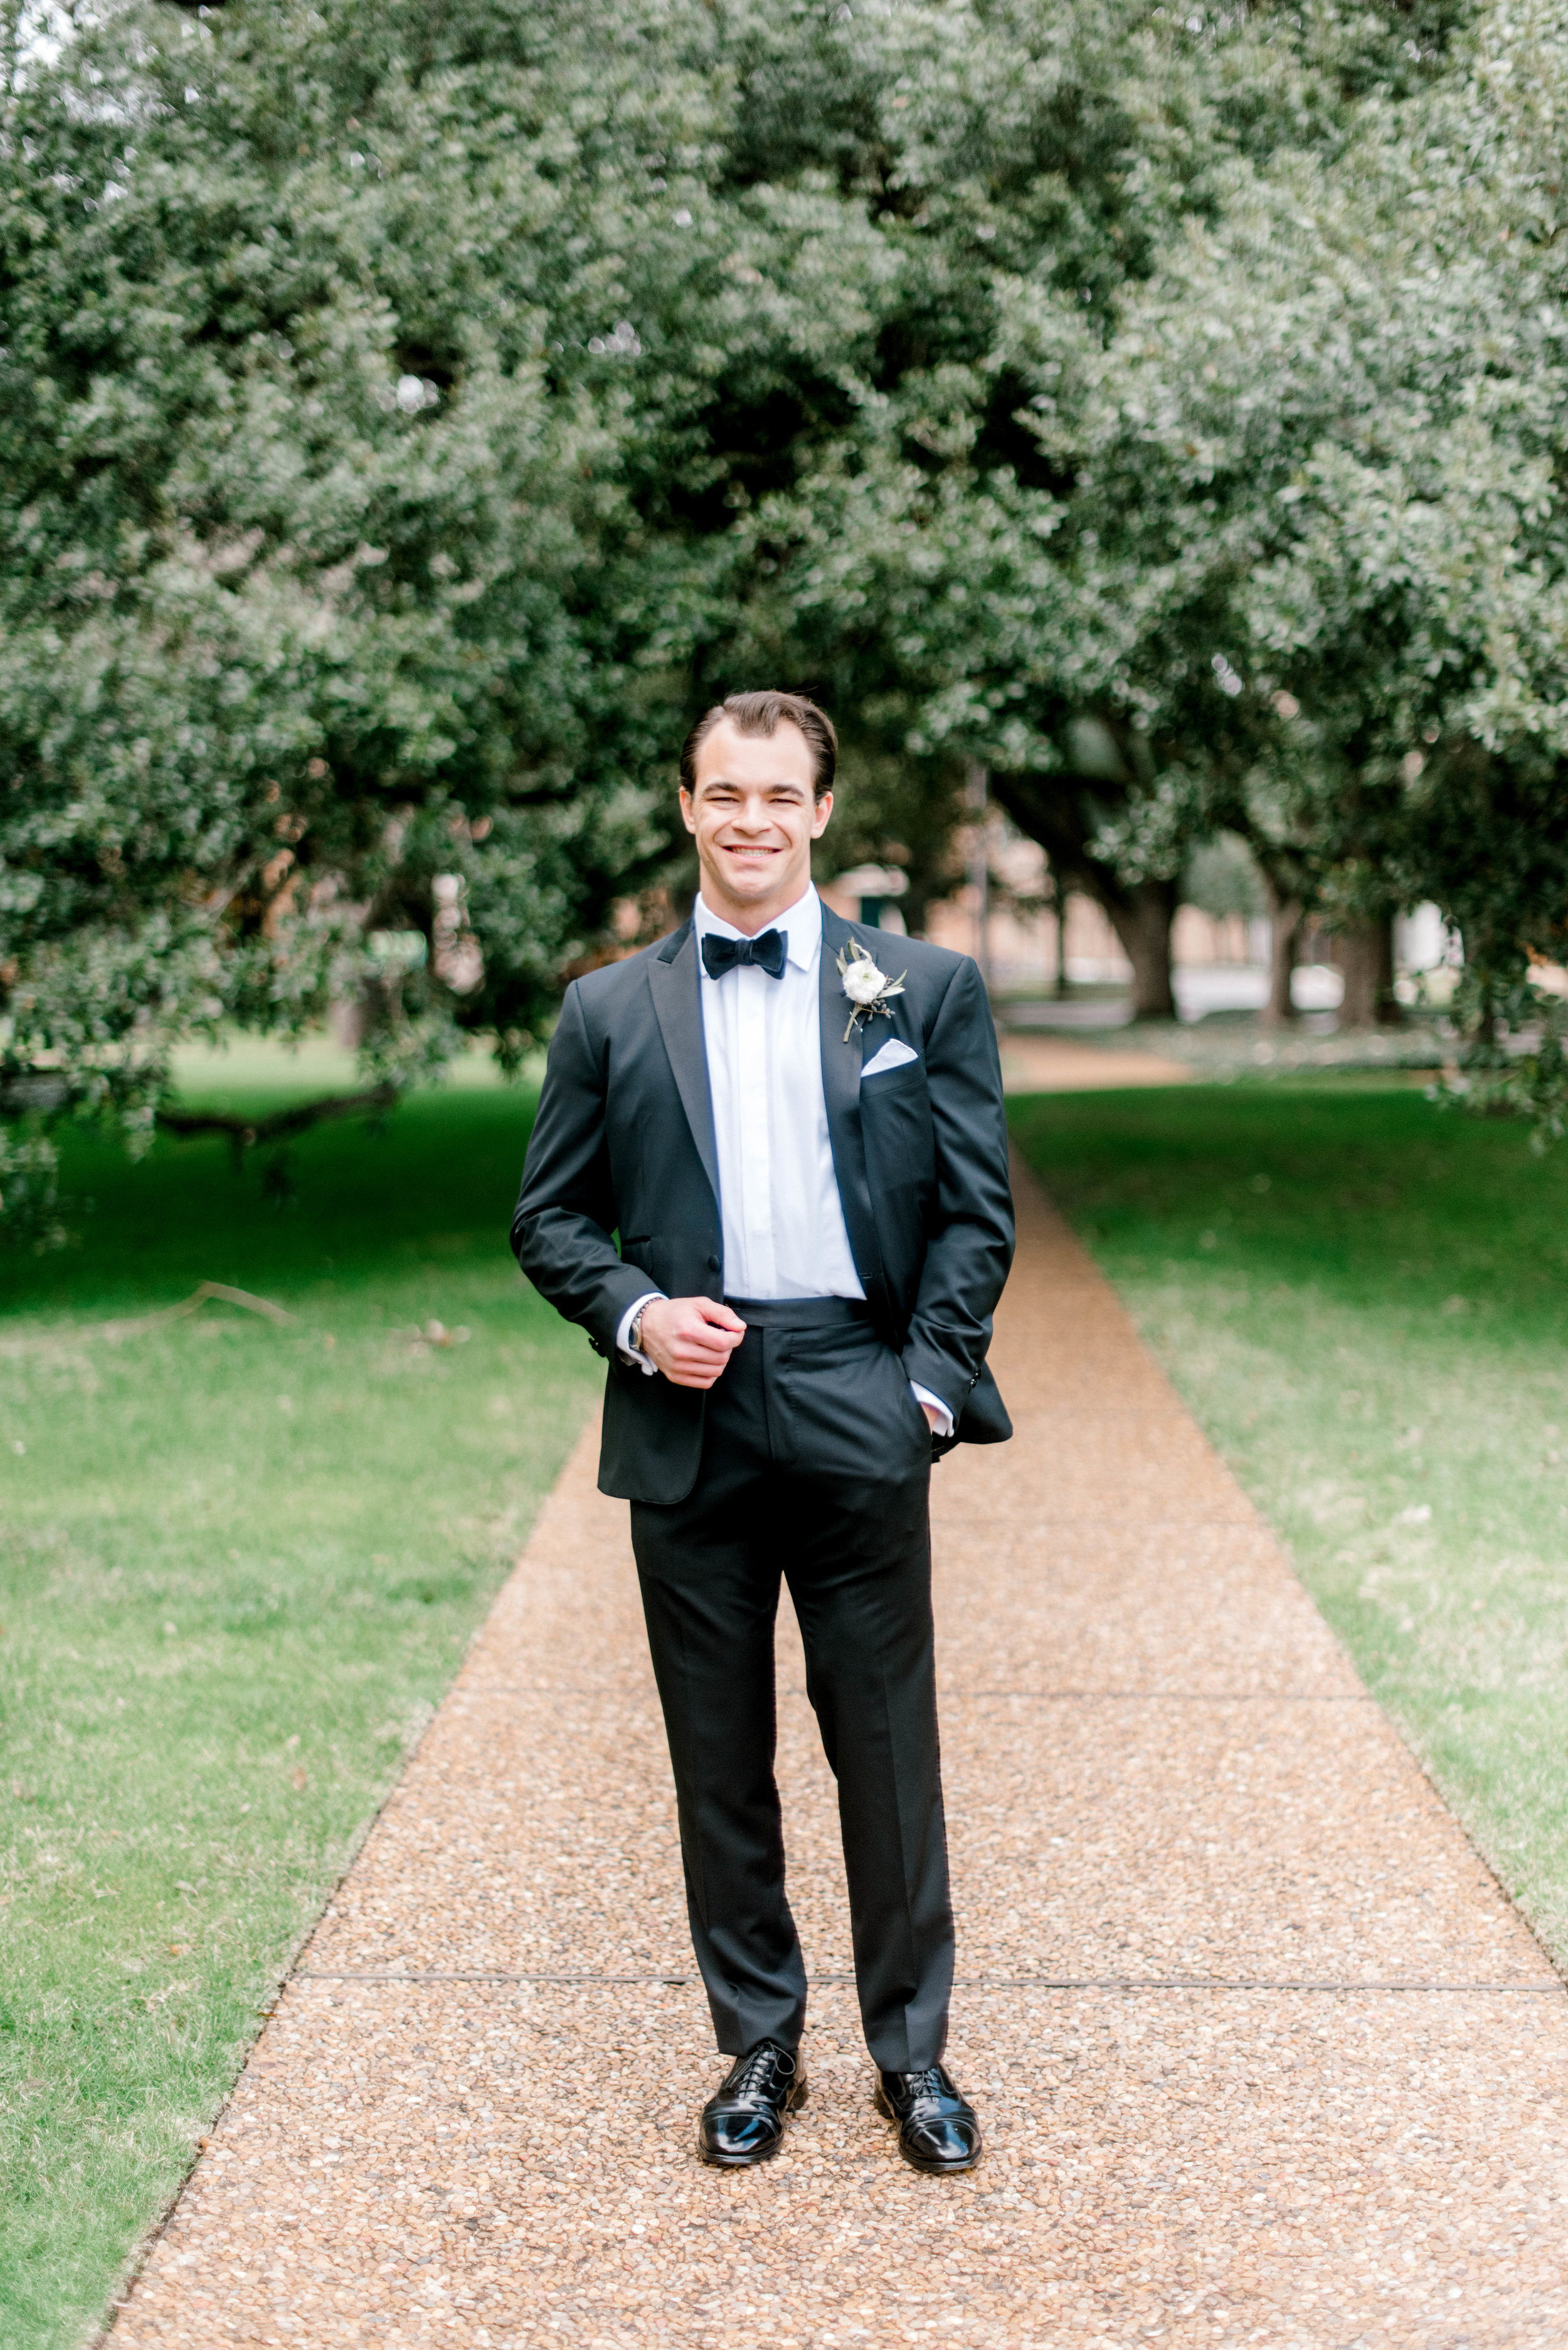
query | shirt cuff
(623,1345)
(944,1426)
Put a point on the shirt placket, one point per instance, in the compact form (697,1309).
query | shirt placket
(756,1152)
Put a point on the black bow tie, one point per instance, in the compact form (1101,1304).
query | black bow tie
(720,955)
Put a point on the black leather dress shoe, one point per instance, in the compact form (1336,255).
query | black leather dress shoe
(743,2120)
(938,2131)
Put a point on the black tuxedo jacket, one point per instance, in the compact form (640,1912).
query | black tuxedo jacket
(623,1144)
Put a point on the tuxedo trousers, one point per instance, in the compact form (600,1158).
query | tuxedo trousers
(815,1473)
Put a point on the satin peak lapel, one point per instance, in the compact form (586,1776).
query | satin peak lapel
(672,975)
(841,1093)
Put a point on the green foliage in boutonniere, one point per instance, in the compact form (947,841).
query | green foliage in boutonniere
(870,990)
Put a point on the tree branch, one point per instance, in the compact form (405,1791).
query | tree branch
(245,1134)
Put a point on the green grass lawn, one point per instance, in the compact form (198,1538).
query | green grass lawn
(239,1563)
(1364,1299)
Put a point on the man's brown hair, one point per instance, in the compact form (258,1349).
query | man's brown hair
(761,714)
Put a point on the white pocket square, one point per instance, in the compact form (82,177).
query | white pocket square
(892,1056)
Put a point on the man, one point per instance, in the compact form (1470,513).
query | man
(805,1161)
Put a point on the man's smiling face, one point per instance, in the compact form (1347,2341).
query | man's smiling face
(754,816)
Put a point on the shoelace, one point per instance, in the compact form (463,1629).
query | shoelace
(918,2087)
(756,2071)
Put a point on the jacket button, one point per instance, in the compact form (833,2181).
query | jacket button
(712,1264)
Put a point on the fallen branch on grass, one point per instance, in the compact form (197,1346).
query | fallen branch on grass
(192,1305)
(135,1326)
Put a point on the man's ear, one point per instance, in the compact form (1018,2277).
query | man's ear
(821,810)
(688,817)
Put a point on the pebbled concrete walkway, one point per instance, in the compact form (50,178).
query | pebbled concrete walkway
(1064,1064)
(1264,2056)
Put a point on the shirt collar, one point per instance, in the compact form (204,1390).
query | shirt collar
(801,924)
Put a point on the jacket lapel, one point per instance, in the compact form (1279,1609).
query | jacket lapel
(673,976)
(841,1093)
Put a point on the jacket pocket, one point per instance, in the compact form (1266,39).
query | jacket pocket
(896,1119)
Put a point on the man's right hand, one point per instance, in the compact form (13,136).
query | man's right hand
(690,1339)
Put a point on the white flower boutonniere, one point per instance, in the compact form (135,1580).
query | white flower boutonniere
(870,990)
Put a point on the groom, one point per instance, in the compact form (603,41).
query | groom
(804,1161)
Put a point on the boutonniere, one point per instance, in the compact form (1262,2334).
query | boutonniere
(870,990)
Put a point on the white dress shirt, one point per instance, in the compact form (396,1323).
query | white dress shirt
(778,1195)
(783,1221)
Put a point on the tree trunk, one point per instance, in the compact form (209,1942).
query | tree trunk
(1059,902)
(1284,944)
(347,1016)
(1142,919)
(1367,959)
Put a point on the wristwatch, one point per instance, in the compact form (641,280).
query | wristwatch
(634,1335)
